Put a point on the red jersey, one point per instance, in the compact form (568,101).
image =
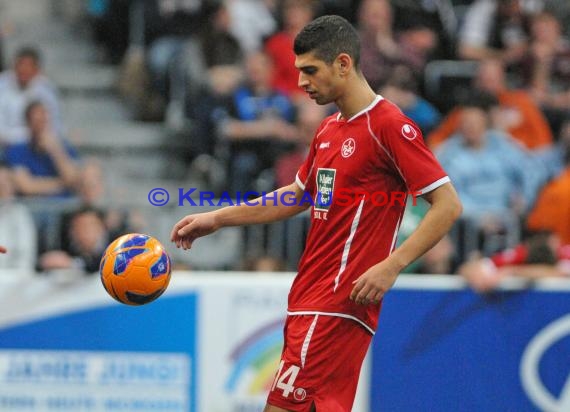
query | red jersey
(380,152)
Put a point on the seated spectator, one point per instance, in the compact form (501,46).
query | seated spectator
(20,86)
(546,67)
(17,228)
(252,22)
(553,158)
(542,255)
(44,164)
(264,263)
(551,209)
(92,193)
(256,123)
(518,114)
(494,29)
(438,16)
(88,240)
(168,25)
(213,67)
(109,22)
(402,90)
(308,120)
(222,53)
(380,50)
(296,15)
(495,178)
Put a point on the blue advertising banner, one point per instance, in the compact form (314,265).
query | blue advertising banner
(102,358)
(454,350)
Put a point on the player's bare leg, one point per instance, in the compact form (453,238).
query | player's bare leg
(270,408)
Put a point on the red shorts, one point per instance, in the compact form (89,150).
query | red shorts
(320,364)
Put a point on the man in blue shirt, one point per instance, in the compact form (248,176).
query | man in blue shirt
(45,165)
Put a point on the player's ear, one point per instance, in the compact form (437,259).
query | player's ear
(344,64)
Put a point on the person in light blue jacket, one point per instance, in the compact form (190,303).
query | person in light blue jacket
(496,178)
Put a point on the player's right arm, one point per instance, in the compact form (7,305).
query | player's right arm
(191,227)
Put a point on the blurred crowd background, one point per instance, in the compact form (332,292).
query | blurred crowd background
(103,100)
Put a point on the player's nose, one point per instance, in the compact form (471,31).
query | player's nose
(302,81)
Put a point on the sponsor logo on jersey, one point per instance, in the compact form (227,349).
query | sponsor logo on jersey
(325,145)
(325,186)
(348,147)
(548,339)
(409,132)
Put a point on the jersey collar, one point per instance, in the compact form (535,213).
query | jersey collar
(376,100)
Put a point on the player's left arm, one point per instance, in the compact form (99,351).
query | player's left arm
(377,280)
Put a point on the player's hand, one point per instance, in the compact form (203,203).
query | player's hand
(3,249)
(191,227)
(373,284)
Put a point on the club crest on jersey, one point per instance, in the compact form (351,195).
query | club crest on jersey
(409,132)
(325,186)
(348,147)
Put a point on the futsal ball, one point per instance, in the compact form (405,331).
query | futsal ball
(135,269)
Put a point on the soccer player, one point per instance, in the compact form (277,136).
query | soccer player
(350,260)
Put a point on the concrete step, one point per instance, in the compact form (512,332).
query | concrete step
(123,138)
(84,78)
(81,111)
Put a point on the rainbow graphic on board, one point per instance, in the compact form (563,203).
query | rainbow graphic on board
(256,359)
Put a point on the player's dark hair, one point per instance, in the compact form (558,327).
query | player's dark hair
(327,37)
(31,53)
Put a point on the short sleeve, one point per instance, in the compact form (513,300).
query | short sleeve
(303,178)
(303,175)
(402,141)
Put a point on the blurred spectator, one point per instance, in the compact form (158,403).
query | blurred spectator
(296,14)
(256,123)
(20,86)
(494,29)
(92,192)
(309,118)
(401,88)
(552,210)
(168,25)
(495,178)
(518,114)
(437,16)
(546,67)
(45,164)
(560,9)
(252,21)
(213,68)
(88,240)
(380,51)
(17,229)
(541,255)
(109,21)
(223,55)
(264,263)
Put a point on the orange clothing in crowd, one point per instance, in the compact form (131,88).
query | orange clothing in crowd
(552,210)
(533,131)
